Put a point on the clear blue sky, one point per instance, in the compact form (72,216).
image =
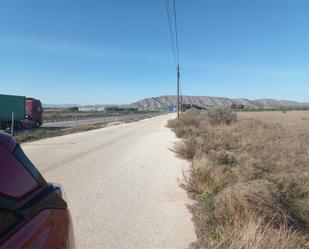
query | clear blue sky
(89,52)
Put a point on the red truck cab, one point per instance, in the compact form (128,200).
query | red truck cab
(33,112)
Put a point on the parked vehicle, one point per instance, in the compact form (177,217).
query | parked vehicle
(33,212)
(26,112)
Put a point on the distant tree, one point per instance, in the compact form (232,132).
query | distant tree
(72,109)
(241,106)
(237,106)
(233,106)
(186,107)
(116,109)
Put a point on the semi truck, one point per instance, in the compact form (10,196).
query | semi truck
(23,111)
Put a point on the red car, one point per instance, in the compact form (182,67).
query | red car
(33,213)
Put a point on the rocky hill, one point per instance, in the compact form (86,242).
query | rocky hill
(163,102)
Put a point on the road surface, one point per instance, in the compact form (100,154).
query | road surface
(121,184)
(87,121)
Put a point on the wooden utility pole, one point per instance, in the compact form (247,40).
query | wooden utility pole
(178,101)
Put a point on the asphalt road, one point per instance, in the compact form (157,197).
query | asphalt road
(87,121)
(121,184)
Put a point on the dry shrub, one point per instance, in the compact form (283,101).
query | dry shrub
(172,123)
(190,118)
(256,235)
(221,116)
(185,132)
(235,204)
(210,139)
(209,178)
(187,148)
(225,158)
(186,124)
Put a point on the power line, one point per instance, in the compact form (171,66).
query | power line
(175,46)
(176,32)
(171,29)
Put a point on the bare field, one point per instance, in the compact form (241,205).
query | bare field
(250,173)
(292,119)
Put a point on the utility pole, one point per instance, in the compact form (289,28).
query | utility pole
(178,101)
(172,21)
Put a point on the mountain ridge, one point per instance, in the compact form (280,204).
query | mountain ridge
(162,102)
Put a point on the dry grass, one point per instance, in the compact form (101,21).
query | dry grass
(256,235)
(251,176)
(253,198)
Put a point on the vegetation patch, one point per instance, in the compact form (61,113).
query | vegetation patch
(250,176)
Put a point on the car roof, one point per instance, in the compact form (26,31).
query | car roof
(7,141)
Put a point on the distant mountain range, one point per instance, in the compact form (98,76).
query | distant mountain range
(163,102)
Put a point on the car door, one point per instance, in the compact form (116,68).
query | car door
(33,213)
